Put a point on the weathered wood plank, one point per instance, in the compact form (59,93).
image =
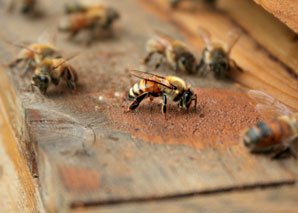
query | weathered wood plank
(286,11)
(18,191)
(87,152)
(282,199)
(262,68)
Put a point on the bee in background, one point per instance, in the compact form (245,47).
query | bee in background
(82,6)
(26,6)
(50,71)
(93,19)
(33,54)
(175,3)
(170,87)
(175,53)
(216,56)
(276,135)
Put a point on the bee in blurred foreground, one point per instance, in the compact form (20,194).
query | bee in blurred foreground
(277,135)
(175,53)
(26,6)
(51,71)
(175,3)
(215,57)
(33,54)
(170,87)
(93,19)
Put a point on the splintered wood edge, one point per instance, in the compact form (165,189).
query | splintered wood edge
(285,11)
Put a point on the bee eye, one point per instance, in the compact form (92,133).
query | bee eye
(183,60)
(187,97)
(44,79)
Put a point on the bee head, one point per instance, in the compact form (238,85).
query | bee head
(41,82)
(219,67)
(174,3)
(112,14)
(27,6)
(187,62)
(188,97)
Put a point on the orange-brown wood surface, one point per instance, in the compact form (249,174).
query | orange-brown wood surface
(86,152)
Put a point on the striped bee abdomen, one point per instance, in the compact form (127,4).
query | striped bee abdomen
(142,87)
(264,136)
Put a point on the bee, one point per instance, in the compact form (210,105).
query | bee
(175,3)
(175,53)
(96,18)
(26,6)
(276,135)
(216,56)
(51,71)
(33,54)
(81,6)
(170,87)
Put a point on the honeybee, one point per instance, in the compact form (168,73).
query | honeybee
(96,18)
(51,71)
(33,54)
(175,53)
(175,3)
(276,135)
(170,87)
(81,6)
(26,6)
(216,56)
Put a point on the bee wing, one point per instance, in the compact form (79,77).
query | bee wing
(206,36)
(47,38)
(164,39)
(232,37)
(152,77)
(268,105)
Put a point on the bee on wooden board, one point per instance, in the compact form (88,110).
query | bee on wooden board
(276,135)
(216,56)
(176,3)
(82,6)
(26,6)
(94,19)
(174,52)
(33,54)
(50,71)
(152,86)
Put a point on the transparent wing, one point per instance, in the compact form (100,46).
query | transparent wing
(268,105)
(232,37)
(164,39)
(206,36)
(152,77)
(47,37)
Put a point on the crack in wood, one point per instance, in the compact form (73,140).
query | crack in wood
(75,205)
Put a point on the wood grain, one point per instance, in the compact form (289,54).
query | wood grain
(281,199)
(286,11)
(76,152)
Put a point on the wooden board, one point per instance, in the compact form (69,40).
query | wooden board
(279,199)
(286,11)
(80,154)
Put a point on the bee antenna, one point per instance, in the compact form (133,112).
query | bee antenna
(67,59)
(17,45)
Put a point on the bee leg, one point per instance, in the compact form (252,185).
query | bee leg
(15,62)
(164,106)
(180,104)
(148,58)
(70,85)
(28,66)
(137,101)
(234,64)
(72,35)
(196,101)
